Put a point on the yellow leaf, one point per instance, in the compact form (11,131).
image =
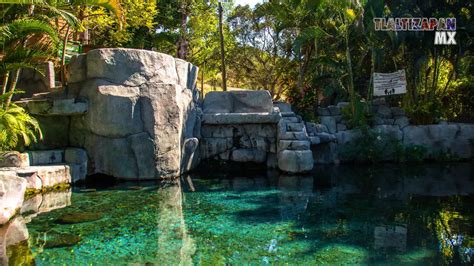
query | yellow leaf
(350,14)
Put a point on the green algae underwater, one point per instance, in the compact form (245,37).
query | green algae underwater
(387,214)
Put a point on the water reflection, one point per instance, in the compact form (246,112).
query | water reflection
(14,236)
(174,242)
(339,215)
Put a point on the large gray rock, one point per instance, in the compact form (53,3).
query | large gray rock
(131,67)
(245,101)
(114,111)
(12,191)
(218,102)
(295,161)
(143,107)
(455,139)
(252,101)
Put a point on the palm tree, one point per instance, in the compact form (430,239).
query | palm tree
(19,53)
(17,128)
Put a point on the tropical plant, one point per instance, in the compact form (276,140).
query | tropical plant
(17,128)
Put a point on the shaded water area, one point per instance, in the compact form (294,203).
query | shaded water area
(408,214)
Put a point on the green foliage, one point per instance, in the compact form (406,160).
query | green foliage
(106,31)
(424,113)
(368,147)
(304,104)
(360,117)
(17,128)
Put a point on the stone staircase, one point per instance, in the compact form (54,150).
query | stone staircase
(294,145)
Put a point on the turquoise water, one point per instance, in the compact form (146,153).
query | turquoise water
(337,215)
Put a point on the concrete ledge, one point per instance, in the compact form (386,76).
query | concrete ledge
(56,107)
(240,118)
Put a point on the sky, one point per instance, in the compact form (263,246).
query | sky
(247,2)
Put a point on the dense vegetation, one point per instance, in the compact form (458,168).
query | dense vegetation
(307,52)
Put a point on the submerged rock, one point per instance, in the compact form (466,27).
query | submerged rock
(58,240)
(80,217)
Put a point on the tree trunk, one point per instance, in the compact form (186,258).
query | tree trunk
(63,58)
(12,88)
(202,82)
(221,33)
(303,68)
(5,82)
(182,51)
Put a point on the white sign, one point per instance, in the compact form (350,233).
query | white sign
(390,83)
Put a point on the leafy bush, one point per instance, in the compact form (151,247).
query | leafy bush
(17,128)
(305,104)
(424,113)
(360,117)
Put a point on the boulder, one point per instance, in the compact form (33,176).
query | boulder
(77,71)
(245,101)
(114,111)
(131,67)
(143,106)
(12,191)
(252,101)
(295,161)
(217,102)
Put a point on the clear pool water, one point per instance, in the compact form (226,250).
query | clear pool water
(383,214)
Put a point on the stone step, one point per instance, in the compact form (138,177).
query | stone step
(46,157)
(62,107)
(293,145)
(288,114)
(295,126)
(293,119)
(292,136)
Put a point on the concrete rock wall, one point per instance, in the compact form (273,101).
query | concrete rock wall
(143,108)
(454,139)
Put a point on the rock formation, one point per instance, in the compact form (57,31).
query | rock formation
(143,116)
